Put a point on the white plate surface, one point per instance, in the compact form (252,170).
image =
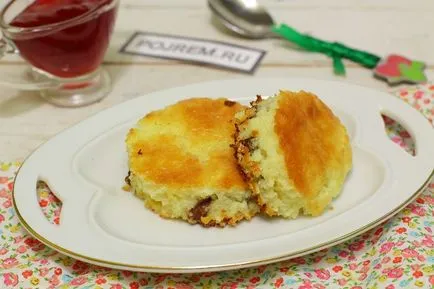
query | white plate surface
(102,224)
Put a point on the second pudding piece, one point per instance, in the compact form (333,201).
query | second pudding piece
(294,152)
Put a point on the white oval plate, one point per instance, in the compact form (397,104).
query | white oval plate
(100,223)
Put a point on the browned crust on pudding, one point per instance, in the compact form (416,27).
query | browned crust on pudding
(127,178)
(160,159)
(250,171)
(229,103)
(312,139)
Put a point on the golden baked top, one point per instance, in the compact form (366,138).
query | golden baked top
(314,143)
(187,145)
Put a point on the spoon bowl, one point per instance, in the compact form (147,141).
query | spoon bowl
(244,17)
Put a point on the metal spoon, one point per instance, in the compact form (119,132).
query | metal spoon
(244,17)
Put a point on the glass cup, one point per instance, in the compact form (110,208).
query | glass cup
(64,46)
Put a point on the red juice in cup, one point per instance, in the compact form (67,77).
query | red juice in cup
(72,50)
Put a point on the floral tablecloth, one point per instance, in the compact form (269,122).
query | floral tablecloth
(397,254)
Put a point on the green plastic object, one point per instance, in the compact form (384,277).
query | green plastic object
(335,50)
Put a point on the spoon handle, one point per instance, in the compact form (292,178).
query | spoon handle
(335,50)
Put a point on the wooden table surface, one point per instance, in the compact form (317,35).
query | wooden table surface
(380,27)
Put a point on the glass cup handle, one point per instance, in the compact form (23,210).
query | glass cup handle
(3,47)
(16,82)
